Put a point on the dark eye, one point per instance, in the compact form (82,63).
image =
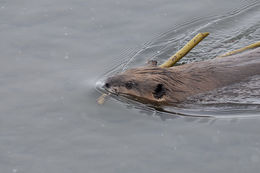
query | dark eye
(159,91)
(107,85)
(129,85)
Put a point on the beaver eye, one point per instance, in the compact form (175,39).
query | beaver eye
(159,91)
(129,85)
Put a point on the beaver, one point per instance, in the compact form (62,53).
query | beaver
(176,84)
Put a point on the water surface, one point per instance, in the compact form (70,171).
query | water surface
(54,52)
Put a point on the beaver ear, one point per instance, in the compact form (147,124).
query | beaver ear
(159,91)
(152,63)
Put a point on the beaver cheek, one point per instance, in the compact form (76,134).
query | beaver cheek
(122,90)
(149,97)
(134,93)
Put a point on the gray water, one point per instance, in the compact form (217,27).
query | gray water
(54,52)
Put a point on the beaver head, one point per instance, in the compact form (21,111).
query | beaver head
(152,84)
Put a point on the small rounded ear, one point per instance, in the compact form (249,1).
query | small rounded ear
(159,91)
(152,63)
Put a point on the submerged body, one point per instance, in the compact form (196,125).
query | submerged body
(176,84)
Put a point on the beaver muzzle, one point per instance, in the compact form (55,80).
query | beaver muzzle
(111,89)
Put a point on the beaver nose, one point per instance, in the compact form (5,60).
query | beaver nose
(107,85)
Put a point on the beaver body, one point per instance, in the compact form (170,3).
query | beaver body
(176,84)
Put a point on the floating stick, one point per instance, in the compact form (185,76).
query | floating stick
(101,99)
(251,46)
(181,53)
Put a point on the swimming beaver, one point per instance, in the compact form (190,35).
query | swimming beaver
(176,84)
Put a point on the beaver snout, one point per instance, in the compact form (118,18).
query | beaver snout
(107,84)
(110,86)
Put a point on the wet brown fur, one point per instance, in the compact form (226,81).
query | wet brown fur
(176,84)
